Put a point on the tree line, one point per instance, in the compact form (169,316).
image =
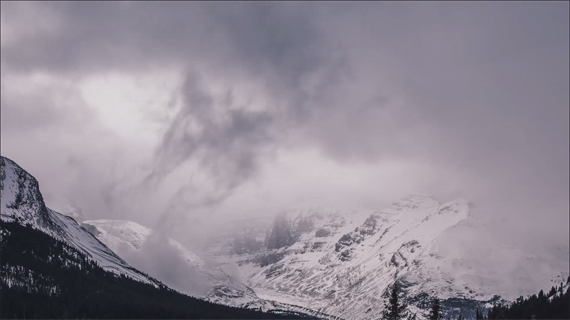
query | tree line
(552,305)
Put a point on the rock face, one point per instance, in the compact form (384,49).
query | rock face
(21,199)
(344,263)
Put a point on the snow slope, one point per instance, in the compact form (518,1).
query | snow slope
(21,201)
(343,263)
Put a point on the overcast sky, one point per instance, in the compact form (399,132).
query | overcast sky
(175,114)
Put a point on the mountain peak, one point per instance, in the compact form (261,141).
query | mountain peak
(22,200)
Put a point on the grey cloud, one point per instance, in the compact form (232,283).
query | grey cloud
(30,108)
(25,111)
(477,91)
(93,37)
(166,263)
(219,140)
(276,43)
(487,95)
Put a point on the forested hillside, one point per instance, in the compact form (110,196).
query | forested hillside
(552,305)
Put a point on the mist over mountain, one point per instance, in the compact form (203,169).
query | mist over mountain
(209,111)
(321,262)
(255,154)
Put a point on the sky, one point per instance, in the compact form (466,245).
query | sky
(182,115)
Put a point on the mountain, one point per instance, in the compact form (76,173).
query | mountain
(52,267)
(344,263)
(22,202)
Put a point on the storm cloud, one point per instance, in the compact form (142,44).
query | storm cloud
(265,105)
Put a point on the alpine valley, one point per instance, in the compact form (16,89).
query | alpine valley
(319,262)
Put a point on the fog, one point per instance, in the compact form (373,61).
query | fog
(164,262)
(183,116)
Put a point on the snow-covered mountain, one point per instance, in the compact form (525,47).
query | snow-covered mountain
(21,201)
(343,263)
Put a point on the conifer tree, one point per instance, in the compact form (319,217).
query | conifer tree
(394,309)
(478,315)
(435,313)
